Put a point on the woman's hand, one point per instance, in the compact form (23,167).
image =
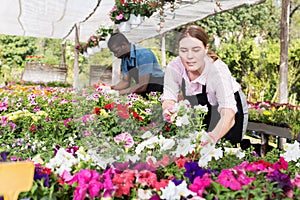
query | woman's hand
(167,104)
(168,114)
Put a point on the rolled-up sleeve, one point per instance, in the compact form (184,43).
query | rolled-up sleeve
(172,81)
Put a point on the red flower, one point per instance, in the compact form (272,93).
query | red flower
(124,182)
(97,111)
(135,115)
(168,128)
(32,128)
(122,111)
(109,106)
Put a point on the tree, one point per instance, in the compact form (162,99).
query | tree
(14,49)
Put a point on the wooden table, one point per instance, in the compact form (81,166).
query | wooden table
(265,130)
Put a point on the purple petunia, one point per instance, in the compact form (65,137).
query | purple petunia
(283,180)
(3,156)
(193,170)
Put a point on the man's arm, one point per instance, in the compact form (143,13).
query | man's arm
(138,88)
(124,83)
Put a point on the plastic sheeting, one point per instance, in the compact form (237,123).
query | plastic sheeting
(56,18)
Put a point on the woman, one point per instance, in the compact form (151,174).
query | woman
(204,79)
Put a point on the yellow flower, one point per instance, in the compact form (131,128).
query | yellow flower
(266,112)
(103,113)
(42,113)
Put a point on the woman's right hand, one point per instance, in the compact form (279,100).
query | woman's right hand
(167,104)
(167,107)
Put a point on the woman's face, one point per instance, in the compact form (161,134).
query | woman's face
(192,52)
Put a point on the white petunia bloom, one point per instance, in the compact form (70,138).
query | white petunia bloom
(147,134)
(62,161)
(184,120)
(207,153)
(82,155)
(144,194)
(202,108)
(150,144)
(292,152)
(235,151)
(98,160)
(184,147)
(173,192)
(165,144)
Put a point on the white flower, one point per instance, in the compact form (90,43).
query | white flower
(98,160)
(292,152)
(144,194)
(133,158)
(82,155)
(184,147)
(173,192)
(207,153)
(184,120)
(139,148)
(202,108)
(147,134)
(235,151)
(37,159)
(165,144)
(62,161)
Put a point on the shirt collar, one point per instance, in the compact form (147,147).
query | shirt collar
(132,51)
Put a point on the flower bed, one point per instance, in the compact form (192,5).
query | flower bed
(92,144)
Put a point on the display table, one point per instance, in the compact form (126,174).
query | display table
(265,130)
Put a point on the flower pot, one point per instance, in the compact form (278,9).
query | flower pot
(124,26)
(90,51)
(96,49)
(102,44)
(135,21)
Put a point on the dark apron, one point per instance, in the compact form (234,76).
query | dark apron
(156,84)
(234,135)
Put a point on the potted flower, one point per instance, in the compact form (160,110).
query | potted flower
(131,12)
(121,11)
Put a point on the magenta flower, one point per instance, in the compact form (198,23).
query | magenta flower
(228,180)
(124,138)
(88,182)
(200,184)
(13,126)
(3,121)
(244,179)
(3,106)
(109,187)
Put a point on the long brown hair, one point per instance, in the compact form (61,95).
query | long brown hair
(199,33)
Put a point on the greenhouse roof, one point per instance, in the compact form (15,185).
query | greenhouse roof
(57,18)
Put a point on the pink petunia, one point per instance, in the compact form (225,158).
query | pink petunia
(228,180)
(244,179)
(296,181)
(124,138)
(120,16)
(146,178)
(124,182)
(200,184)
(109,187)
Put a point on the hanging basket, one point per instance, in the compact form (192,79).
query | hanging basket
(124,26)
(135,21)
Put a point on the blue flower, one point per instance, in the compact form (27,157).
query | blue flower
(3,156)
(193,170)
